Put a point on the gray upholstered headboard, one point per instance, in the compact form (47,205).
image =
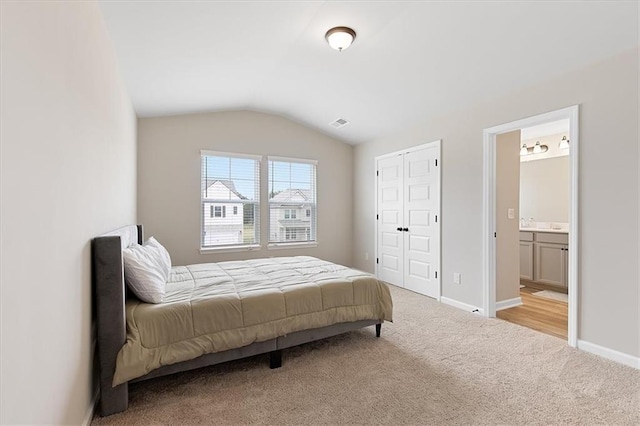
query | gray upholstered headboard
(110,293)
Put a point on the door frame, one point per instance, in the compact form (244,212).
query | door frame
(438,145)
(489,211)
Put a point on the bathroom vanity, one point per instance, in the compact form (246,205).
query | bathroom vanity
(544,255)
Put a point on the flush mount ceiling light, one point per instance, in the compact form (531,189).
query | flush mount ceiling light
(564,143)
(340,38)
(536,149)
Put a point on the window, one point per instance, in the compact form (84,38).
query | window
(289,234)
(230,182)
(296,234)
(292,190)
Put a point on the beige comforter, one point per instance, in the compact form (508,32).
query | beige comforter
(214,307)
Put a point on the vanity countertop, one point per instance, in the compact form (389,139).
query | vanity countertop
(549,230)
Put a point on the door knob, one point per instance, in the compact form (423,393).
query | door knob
(399,229)
(406,229)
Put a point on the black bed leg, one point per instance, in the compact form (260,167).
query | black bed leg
(275,359)
(378,328)
(113,399)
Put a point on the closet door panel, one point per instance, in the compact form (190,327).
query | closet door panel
(421,245)
(390,218)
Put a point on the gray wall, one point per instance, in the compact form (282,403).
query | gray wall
(169,179)
(67,126)
(607,92)
(544,189)
(508,230)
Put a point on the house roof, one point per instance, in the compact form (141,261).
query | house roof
(229,184)
(293,195)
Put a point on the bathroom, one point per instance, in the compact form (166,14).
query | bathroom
(543,197)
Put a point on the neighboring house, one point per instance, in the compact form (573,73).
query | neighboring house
(291,215)
(223,218)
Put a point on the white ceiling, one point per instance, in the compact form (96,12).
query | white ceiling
(410,60)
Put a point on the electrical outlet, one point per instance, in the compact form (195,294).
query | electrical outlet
(456,277)
(511,213)
(366,255)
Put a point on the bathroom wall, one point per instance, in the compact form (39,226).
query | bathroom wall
(508,229)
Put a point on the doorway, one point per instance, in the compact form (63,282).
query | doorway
(493,214)
(407,234)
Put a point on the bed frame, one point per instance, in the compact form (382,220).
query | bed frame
(110,295)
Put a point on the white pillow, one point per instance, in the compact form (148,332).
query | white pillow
(166,258)
(145,272)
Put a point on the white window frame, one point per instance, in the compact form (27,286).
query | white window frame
(231,247)
(293,243)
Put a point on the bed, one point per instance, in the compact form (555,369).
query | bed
(217,312)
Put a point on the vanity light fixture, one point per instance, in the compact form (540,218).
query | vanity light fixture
(340,38)
(523,150)
(564,143)
(536,149)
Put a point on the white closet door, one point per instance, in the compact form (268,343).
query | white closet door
(390,205)
(422,235)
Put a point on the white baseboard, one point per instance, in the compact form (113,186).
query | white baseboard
(461,305)
(509,303)
(92,408)
(611,354)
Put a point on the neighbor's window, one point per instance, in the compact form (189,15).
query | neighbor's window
(292,200)
(230,183)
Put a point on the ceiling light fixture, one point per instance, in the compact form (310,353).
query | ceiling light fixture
(340,38)
(564,143)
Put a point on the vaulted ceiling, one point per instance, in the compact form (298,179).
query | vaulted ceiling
(410,60)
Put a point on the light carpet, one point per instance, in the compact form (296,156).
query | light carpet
(434,365)
(554,295)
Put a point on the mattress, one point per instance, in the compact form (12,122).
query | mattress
(214,307)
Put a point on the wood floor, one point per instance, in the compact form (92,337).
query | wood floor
(541,314)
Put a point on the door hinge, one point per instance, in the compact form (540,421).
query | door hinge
(436,162)
(377,217)
(436,218)
(436,274)
(377,173)
(495,235)
(377,260)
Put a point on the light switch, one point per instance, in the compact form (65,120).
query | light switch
(511,213)
(456,277)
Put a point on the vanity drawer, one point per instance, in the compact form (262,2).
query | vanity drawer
(526,236)
(548,237)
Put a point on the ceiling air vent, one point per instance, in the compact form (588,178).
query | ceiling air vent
(340,122)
